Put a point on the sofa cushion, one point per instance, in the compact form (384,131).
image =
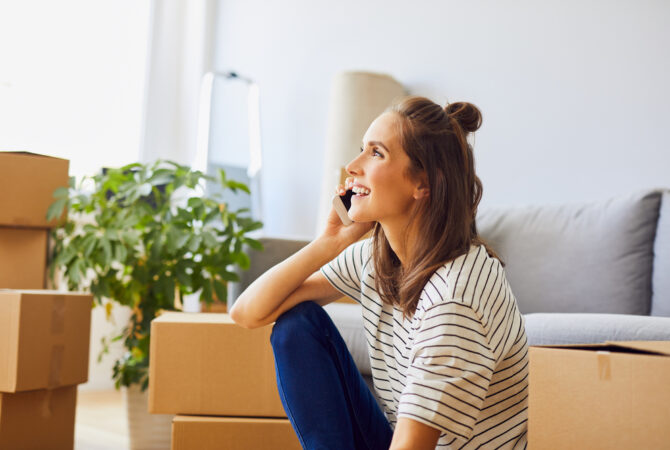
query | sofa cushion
(590,257)
(556,328)
(348,318)
(660,298)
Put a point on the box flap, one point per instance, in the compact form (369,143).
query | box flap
(647,347)
(180,418)
(182,317)
(40,292)
(657,347)
(31,154)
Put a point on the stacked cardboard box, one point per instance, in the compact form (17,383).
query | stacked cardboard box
(44,335)
(219,379)
(27,184)
(44,344)
(614,395)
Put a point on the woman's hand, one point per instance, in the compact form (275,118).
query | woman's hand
(336,230)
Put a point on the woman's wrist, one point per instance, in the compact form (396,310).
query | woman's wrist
(329,246)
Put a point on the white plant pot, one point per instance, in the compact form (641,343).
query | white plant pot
(146,431)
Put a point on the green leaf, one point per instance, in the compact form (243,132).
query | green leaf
(106,251)
(228,276)
(253,226)
(194,243)
(235,185)
(182,277)
(112,235)
(89,243)
(206,294)
(176,239)
(181,239)
(209,239)
(61,192)
(242,260)
(120,253)
(253,243)
(220,290)
(56,209)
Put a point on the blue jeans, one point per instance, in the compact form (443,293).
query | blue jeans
(323,393)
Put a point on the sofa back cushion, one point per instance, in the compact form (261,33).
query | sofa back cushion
(275,250)
(591,257)
(660,297)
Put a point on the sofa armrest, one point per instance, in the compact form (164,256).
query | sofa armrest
(275,250)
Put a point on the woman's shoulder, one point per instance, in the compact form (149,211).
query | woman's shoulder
(454,277)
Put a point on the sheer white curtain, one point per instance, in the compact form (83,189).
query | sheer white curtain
(180,52)
(72,77)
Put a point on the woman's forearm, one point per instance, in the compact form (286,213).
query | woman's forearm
(269,291)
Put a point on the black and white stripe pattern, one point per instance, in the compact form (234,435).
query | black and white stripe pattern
(461,363)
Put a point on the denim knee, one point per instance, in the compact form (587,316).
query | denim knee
(297,323)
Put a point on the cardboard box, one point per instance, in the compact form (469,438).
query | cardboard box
(27,183)
(44,339)
(605,396)
(41,419)
(203,363)
(23,258)
(233,433)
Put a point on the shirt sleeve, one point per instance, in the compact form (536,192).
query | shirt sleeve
(450,369)
(346,271)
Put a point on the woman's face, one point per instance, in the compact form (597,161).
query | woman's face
(380,170)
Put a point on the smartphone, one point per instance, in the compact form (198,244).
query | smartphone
(342,204)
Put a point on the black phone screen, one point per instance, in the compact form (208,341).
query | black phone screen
(346,199)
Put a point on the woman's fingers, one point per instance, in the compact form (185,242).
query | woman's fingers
(340,190)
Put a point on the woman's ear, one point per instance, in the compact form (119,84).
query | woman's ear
(422,190)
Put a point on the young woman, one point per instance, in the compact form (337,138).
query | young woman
(446,340)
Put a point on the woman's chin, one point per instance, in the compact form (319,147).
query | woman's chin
(359,216)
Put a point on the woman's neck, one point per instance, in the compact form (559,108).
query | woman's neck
(401,239)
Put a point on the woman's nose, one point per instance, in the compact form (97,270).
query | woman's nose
(354,167)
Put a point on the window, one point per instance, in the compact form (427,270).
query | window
(72,78)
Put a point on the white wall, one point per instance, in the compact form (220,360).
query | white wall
(575,95)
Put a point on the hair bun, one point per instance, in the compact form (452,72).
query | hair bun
(466,114)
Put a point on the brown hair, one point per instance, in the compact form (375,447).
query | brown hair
(435,139)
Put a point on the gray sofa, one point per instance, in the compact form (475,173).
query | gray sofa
(581,273)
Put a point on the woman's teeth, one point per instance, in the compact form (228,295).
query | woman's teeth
(360,190)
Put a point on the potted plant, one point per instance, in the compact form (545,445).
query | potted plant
(144,236)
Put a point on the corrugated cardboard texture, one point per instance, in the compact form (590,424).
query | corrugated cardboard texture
(591,398)
(27,183)
(23,258)
(232,433)
(44,339)
(42,419)
(203,363)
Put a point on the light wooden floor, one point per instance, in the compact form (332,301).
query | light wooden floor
(100,422)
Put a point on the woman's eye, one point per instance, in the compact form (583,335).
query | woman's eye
(374,152)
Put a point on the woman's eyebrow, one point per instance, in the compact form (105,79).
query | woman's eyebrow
(378,143)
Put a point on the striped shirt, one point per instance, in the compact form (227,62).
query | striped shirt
(460,364)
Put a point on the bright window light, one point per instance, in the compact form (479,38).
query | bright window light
(72,78)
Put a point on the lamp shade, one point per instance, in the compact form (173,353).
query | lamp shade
(356,99)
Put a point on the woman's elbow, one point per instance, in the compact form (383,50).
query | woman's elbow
(237,315)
